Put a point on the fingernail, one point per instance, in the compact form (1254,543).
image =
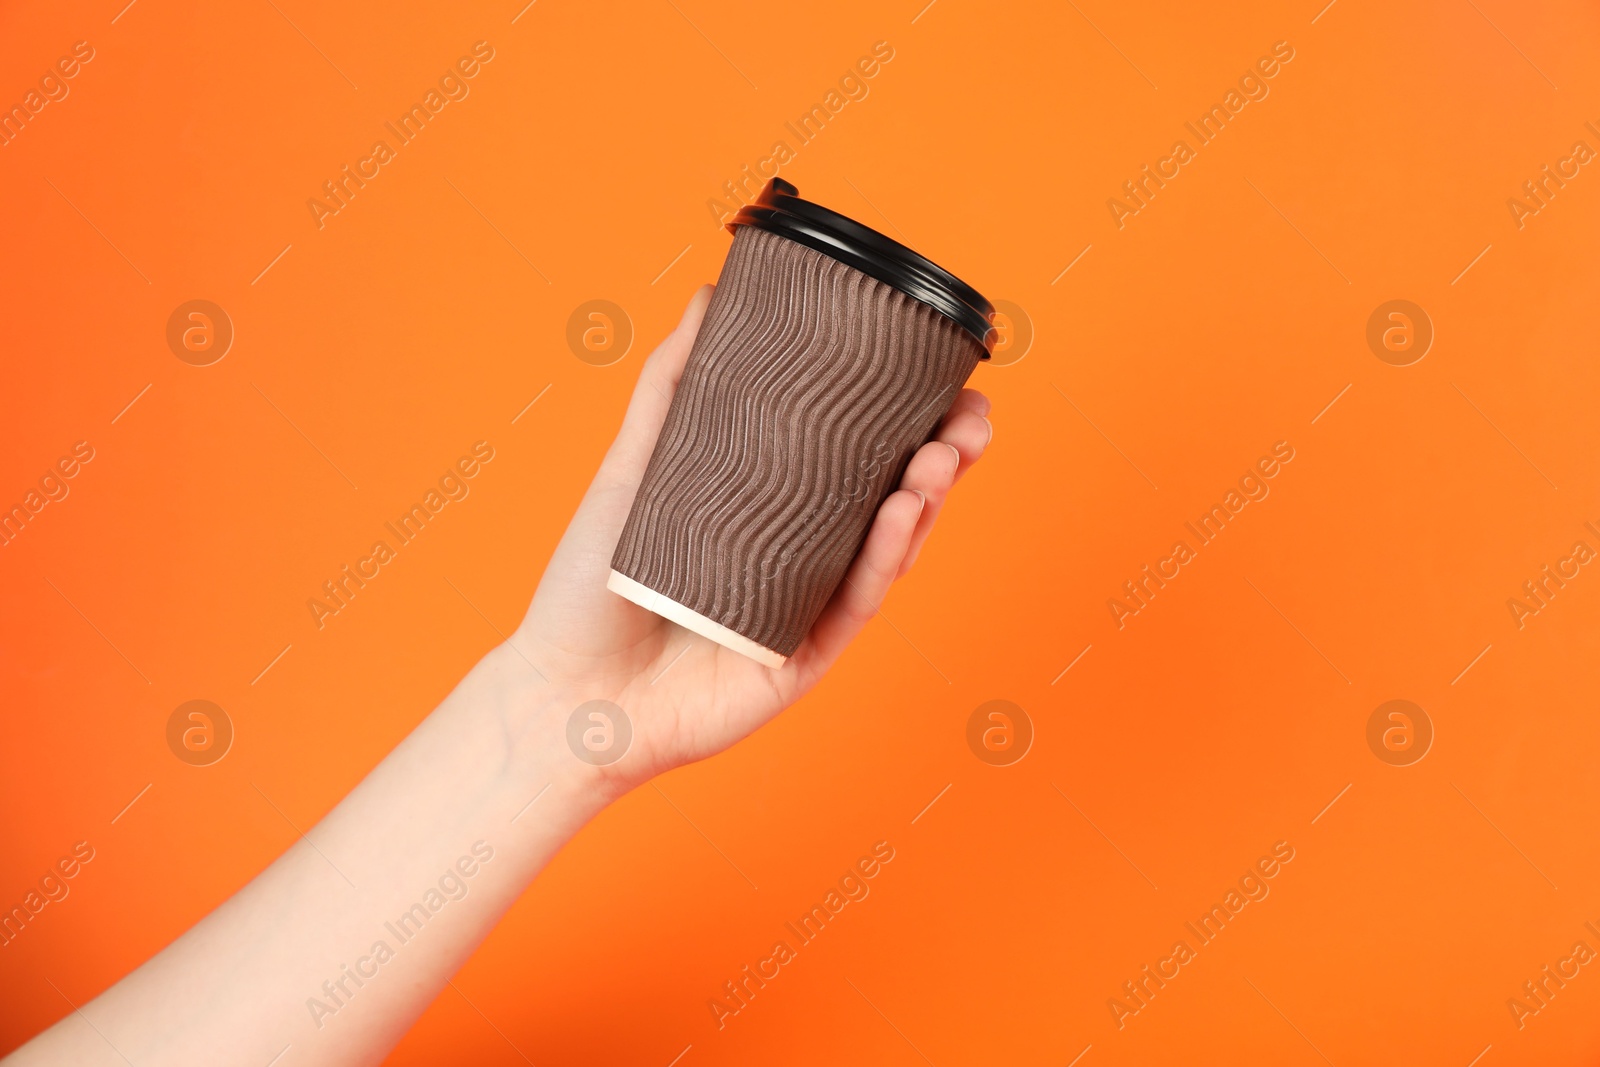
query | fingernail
(990,425)
(922,500)
(955,452)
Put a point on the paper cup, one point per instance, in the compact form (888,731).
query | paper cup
(827,356)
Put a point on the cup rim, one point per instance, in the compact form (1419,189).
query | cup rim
(779,209)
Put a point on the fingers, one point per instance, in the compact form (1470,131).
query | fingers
(902,525)
(966,426)
(961,439)
(932,472)
(867,582)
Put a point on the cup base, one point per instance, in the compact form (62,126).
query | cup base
(689,619)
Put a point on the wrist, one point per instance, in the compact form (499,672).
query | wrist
(551,736)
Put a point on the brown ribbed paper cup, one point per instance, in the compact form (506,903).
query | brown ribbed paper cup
(827,356)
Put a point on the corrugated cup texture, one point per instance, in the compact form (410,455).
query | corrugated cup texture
(807,391)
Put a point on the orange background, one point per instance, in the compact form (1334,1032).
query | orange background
(1223,318)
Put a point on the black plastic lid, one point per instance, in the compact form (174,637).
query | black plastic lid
(779,209)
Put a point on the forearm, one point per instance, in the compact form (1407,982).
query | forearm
(338,946)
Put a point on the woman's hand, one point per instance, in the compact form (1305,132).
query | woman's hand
(488,771)
(687,697)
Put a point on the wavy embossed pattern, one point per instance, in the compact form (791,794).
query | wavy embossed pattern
(808,389)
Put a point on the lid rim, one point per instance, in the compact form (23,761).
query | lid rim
(780,210)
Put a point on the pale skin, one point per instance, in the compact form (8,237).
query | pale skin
(234,989)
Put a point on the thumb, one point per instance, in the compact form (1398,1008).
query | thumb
(579,564)
(658,381)
(667,361)
(647,410)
